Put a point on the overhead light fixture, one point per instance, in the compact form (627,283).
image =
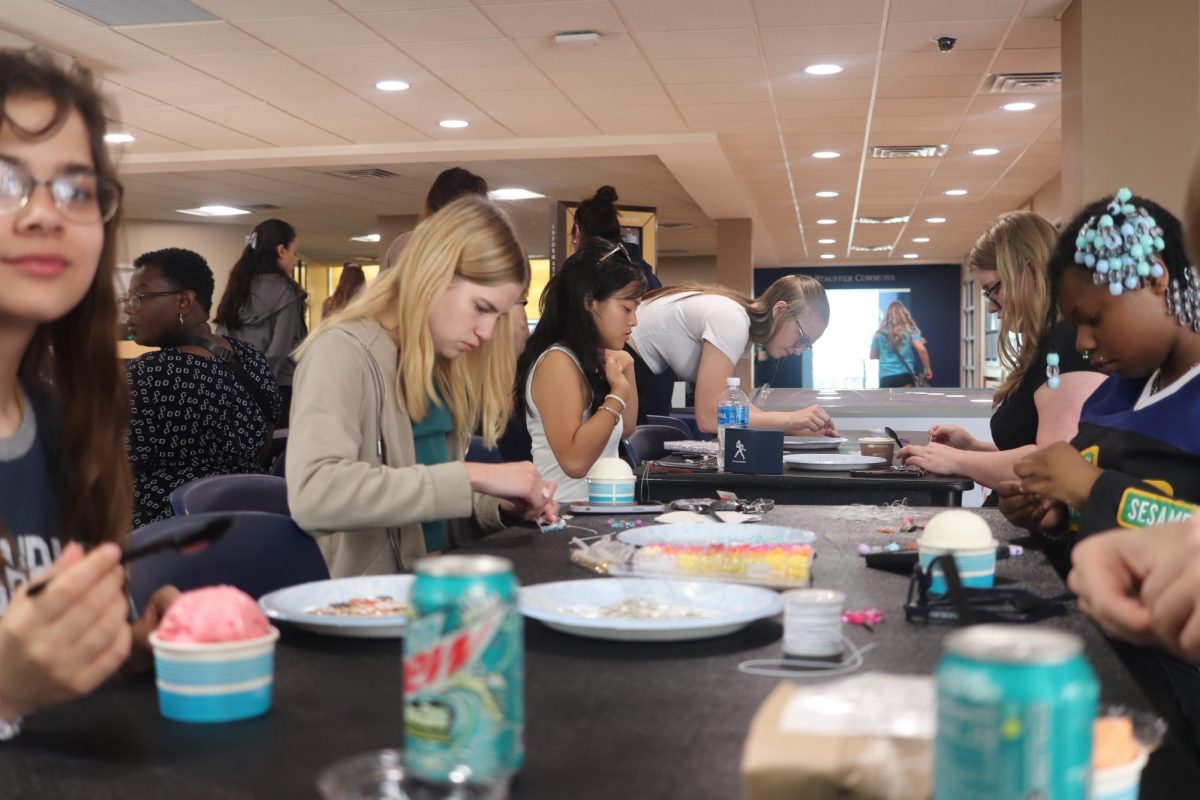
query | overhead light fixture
(935,220)
(900,220)
(119,138)
(985,151)
(454,123)
(822,69)
(213,211)
(827,194)
(392,86)
(920,239)
(911,255)
(577,38)
(827,222)
(879,248)
(513,194)
(370,237)
(955,192)
(827,256)
(826,241)
(1019,106)
(826,154)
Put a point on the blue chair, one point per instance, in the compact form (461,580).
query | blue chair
(477,452)
(671,422)
(231,493)
(646,443)
(259,554)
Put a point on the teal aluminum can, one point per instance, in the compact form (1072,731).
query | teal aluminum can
(1015,707)
(464,671)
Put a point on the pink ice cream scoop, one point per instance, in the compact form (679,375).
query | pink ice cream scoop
(213,614)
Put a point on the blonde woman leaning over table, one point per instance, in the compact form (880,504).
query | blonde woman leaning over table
(1010,264)
(389,389)
(700,333)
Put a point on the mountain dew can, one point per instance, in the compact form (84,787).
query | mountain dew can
(464,670)
(1015,707)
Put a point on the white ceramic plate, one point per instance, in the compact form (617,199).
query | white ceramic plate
(703,533)
(832,462)
(567,606)
(295,603)
(813,442)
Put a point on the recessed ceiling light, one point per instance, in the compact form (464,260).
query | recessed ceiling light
(370,237)
(955,192)
(822,69)
(827,256)
(827,222)
(920,239)
(513,194)
(119,138)
(985,151)
(1019,106)
(826,154)
(454,123)
(911,255)
(935,220)
(392,86)
(213,211)
(826,241)
(827,194)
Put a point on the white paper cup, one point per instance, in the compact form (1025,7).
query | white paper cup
(611,491)
(1120,782)
(217,682)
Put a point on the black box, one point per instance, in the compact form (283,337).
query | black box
(757,452)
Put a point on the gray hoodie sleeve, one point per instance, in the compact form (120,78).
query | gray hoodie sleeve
(287,331)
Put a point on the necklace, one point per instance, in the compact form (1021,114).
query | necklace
(1156,383)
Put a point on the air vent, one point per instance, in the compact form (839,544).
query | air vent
(675,226)
(881,220)
(883,248)
(1006,83)
(369,174)
(908,151)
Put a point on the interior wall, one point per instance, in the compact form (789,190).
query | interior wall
(682,269)
(1047,201)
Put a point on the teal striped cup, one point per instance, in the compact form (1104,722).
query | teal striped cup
(214,682)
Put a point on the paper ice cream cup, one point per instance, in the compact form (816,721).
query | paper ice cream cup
(214,682)
(1121,781)
(976,566)
(611,491)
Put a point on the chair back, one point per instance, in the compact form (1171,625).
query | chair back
(231,493)
(671,422)
(477,452)
(646,443)
(259,554)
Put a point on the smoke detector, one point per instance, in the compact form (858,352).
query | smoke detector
(577,38)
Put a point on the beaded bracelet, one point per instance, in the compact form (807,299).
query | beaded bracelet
(619,400)
(613,411)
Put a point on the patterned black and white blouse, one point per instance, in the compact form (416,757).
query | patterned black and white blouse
(192,418)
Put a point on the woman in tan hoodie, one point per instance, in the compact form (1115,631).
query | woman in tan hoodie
(389,389)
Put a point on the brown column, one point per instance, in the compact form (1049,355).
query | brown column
(735,270)
(1131,99)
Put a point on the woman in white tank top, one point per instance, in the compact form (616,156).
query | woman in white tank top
(576,384)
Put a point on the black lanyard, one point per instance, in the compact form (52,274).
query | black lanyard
(962,605)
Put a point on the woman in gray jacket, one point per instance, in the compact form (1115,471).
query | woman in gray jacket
(262,305)
(389,389)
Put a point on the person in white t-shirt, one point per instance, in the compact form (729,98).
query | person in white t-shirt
(701,332)
(574,381)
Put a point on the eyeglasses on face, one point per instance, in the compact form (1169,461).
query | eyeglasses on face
(80,195)
(133,301)
(803,343)
(990,292)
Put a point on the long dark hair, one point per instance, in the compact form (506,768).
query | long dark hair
(598,271)
(351,281)
(1174,255)
(597,216)
(260,257)
(73,359)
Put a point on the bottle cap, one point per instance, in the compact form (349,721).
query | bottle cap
(733,382)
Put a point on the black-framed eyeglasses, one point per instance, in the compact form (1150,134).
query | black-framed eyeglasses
(989,294)
(803,343)
(80,195)
(133,301)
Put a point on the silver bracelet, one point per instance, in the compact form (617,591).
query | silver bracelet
(613,411)
(619,400)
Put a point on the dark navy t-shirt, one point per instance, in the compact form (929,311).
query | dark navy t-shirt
(29,501)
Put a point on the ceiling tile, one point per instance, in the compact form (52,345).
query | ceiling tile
(854,66)
(949,10)
(942,125)
(959,62)
(194,38)
(338,30)
(1004,121)
(27,16)
(615,73)
(142,72)
(1043,33)
(201,93)
(1045,8)
(918,106)
(855,124)
(432,25)
(504,102)
(475,79)
(1029,60)
(691,93)
(190,129)
(402,5)
(845,39)
(810,88)
(383,60)
(237,10)
(731,43)
(675,15)
(782,13)
(620,96)
(483,53)
(737,111)
(100,45)
(928,86)
(1046,102)
(710,70)
(372,130)
(806,109)
(920,36)
(238,67)
(547,19)
(543,51)
(269,124)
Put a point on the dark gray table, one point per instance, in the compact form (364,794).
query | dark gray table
(605,719)
(797,487)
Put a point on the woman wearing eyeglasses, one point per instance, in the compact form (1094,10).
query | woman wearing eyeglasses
(1010,264)
(202,404)
(65,485)
(897,345)
(699,333)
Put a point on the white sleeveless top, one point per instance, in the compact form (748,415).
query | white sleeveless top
(569,488)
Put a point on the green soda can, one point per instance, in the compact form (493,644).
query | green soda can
(1015,707)
(464,670)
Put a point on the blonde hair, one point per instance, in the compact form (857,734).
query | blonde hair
(1017,248)
(800,292)
(469,239)
(897,322)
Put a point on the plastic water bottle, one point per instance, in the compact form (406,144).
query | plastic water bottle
(733,410)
